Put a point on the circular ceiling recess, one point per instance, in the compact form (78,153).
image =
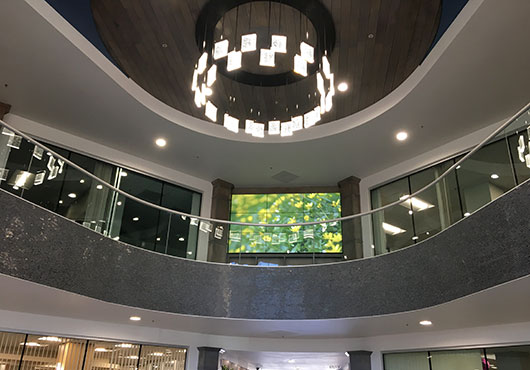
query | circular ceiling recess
(268,55)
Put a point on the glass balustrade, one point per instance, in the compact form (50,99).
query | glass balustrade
(37,175)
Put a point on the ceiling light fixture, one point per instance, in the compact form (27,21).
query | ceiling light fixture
(402,136)
(342,87)
(135,318)
(136,219)
(99,187)
(494,176)
(426,323)
(72,195)
(51,339)
(391,229)
(160,142)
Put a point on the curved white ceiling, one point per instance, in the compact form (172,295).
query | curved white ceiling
(475,76)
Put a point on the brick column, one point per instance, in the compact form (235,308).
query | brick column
(352,243)
(360,360)
(221,200)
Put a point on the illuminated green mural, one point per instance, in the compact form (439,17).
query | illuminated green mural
(285,208)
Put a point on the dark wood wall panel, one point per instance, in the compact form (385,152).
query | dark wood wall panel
(379,44)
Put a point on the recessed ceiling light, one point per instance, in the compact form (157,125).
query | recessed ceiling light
(161,142)
(181,239)
(61,202)
(135,318)
(72,195)
(99,187)
(343,86)
(402,136)
(82,181)
(123,173)
(136,219)
(467,214)
(119,203)
(101,349)
(494,176)
(426,323)
(51,339)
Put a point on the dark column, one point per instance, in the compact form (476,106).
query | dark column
(360,360)
(352,243)
(4,109)
(221,199)
(208,358)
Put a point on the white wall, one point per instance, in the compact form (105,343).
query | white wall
(499,335)
(107,154)
(412,165)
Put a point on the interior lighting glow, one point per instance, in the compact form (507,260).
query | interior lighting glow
(161,142)
(124,345)
(426,323)
(205,227)
(402,136)
(135,219)
(81,181)
(202,63)
(21,179)
(199,99)
(101,349)
(206,91)
(274,127)
(329,101)
(266,58)
(279,44)
(322,104)
(181,239)
(332,84)
(220,49)
(195,80)
(494,176)
(417,204)
(31,344)
(300,65)
(135,318)
(211,76)
(234,60)
(342,87)
(307,52)
(231,123)
(51,339)
(99,187)
(320,84)
(310,119)
(467,214)
(249,42)
(391,229)
(72,195)
(211,111)
(157,354)
(249,125)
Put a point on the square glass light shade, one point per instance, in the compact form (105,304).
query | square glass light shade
(326,67)
(219,231)
(14,141)
(211,111)
(279,44)
(249,42)
(274,127)
(298,123)
(39,178)
(320,84)
(212,75)
(317,111)
(258,129)
(220,49)
(234,60)
(286,128)
(332,84)
(194,221)
(3,174)
(310,119)
(7,132)
(307,52)
(202,63)
(205,227)
(231,123)
(249,126)
(206,91)
(38,152)
(329,102)
(195,80)
(266,58)
(199,98)
(322,104)
(300,65)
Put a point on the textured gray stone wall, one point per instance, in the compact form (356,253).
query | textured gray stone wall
(489,248)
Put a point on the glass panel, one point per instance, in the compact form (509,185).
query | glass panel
(11,346)
(108,355)
(438,207)
(15,158)
(49,352)
(162,358)
(520,152)
(457,360)
(485,176)
(406,361)
(393,228)
(509,358)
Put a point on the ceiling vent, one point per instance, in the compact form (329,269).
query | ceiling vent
(285,177)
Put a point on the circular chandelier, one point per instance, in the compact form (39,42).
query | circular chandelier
(266,49)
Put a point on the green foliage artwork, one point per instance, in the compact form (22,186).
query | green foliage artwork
(285,208)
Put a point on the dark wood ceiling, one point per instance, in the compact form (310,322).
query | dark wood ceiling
(379,43)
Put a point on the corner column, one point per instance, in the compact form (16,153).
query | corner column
(360,360)
(4,109)
(352,243)
(208,358)
(221,202)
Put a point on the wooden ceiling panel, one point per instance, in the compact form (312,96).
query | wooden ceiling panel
(379,44)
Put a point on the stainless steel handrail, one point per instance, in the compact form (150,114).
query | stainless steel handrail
(227,222)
